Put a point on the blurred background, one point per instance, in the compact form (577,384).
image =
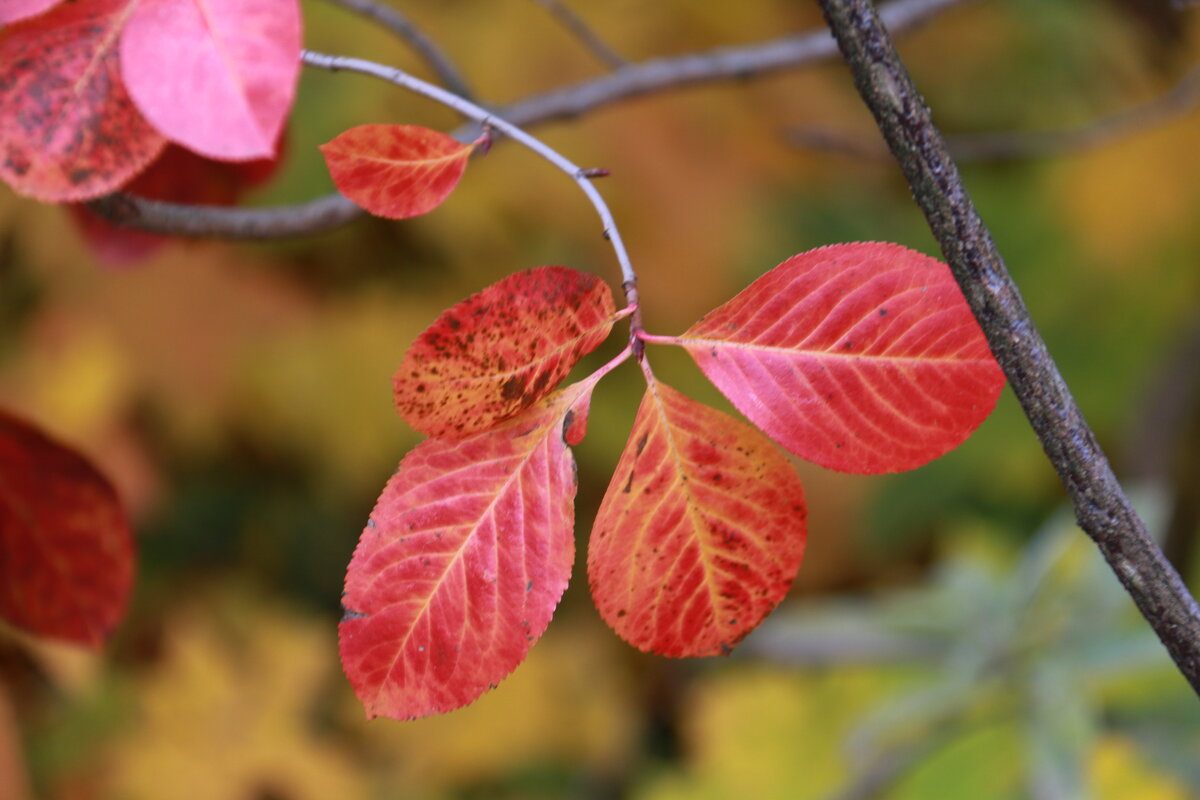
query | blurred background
(951,633)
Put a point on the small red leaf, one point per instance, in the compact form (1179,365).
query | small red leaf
(501,350)
(14,10)
(700,533)
(68,130)
(217,76)
(178,176)
(66,553)
(861,357)
(461,565)
(396,171)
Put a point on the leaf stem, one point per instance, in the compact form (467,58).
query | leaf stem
(487,119)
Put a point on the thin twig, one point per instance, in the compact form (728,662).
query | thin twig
(1101,507)
(583,32)
(490,121)
(1180,100)
(449,75)
(647,77)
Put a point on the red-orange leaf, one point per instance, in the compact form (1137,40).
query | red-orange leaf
(396,171)
(461,565)
(66,554)
(701,532)
(68,130)
(501,350)
(861,357)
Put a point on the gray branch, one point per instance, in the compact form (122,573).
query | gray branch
(1101,508)
(644,78)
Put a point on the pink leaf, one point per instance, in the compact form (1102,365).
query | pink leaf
(461,565)
(68,130)
(216,76)
(14,10)
(396,171)
(860,357)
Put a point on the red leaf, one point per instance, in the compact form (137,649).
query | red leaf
(461,565)
(396,171)
(15,10)
(861,357)
(501,350)
(179,176)
(217,76)
(66,553)
(700,533)
(68,130)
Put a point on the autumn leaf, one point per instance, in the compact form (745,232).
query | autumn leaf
(461,565)
(396,171)
(501,350)
(700,533)
(66,552)
(68,129)
(860,357)
(217,78)
(15,10)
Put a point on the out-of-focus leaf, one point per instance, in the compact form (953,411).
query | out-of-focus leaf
(228,712)
(501,350)
(68,129)
(462,563)
(216,77)
(1117,771)
(860,357)
(66,551)
(700,533)
(15,10)
(396,171)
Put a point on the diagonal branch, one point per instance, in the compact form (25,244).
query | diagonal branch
(1180,100)
(1101,507)
(397,23)
(583,32)
(635,80)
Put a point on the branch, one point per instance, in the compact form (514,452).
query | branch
(1179,101)
(583,32)
(581,176)
(635,80)
(397,23)
(1101,507)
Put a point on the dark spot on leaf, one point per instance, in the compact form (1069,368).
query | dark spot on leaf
(453,323)
(883,312)
(349,614)
(629,484)
(511,389)
(641,443)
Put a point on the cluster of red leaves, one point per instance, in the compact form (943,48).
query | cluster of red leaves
(66,552)
(862,358)
(92,91)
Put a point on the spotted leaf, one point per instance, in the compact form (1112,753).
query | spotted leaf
(501,350)
(68,129)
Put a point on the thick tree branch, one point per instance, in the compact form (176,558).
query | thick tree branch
(635,80)
(1101,507)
